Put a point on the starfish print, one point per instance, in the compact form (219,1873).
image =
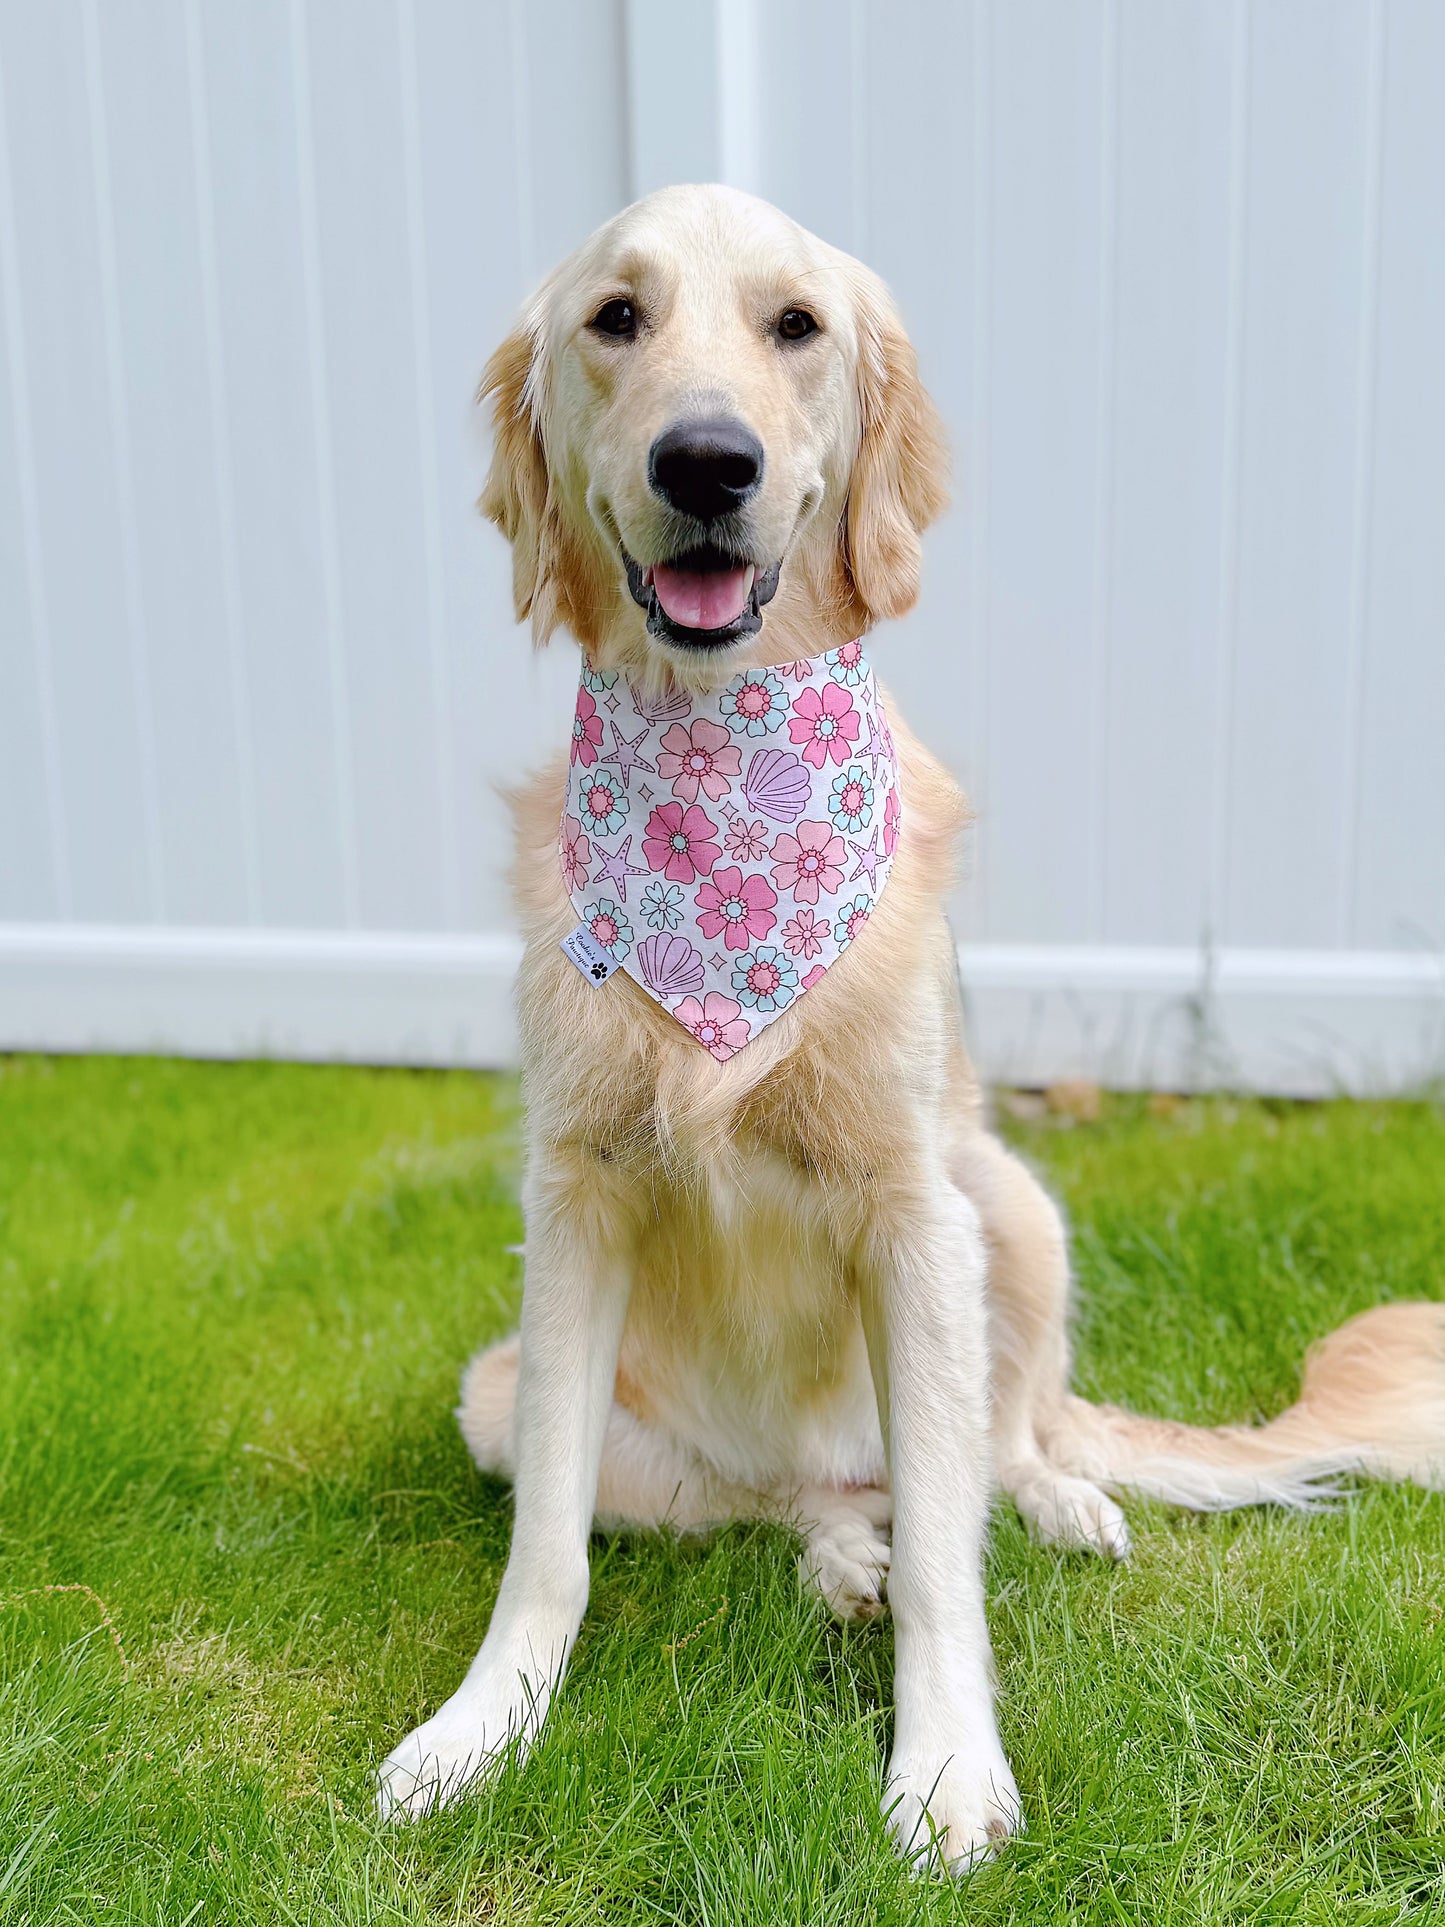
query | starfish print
(875,746)
(868,860)
(617,869)
(625,755)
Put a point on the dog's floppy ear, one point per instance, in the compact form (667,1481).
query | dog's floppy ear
(557,577)
(899,480)
(515,495)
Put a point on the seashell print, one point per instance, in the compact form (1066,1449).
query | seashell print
(670,965)
(672,706)
(777,784)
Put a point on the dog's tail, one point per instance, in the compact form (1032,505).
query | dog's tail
(1372,1402)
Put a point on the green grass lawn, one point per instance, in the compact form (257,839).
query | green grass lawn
(242,1549)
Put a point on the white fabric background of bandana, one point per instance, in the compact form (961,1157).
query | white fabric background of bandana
(725,850)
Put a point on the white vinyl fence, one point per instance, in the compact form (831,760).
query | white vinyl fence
(1177,277)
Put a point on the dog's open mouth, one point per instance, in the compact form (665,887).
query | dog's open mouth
(702,599)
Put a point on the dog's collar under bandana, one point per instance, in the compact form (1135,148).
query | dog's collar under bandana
(724,850)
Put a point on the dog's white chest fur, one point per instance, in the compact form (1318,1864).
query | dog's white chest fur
(744,1327)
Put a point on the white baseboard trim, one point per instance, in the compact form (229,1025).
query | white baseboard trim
(1297,1022)
(313,995)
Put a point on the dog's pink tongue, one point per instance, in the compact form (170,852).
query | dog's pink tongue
(710,601)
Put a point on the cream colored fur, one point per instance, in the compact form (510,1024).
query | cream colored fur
(807,1284)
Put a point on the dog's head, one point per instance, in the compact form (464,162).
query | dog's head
(709,422)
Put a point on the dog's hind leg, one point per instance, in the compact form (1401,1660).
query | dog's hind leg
(846,1547)
(487,1412)
(1372,1400)
(1028,1303)
(649,1480)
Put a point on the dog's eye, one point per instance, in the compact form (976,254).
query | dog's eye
(796,324)
(615,318)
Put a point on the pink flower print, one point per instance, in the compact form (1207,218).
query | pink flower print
(586,730)
(679,842)
(891,814)
(703,757)
(804,936)
(753,703)
(764,979)
(717,1023)
(818,970)
(846,664)
(851,919)
(603,802)
(608,923)
(746,841)
(826,721)
(738,908)
(576,854)
(850,802)
(808,862)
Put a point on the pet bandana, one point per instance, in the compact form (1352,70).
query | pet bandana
(724,850)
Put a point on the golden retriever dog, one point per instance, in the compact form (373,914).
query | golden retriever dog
(803,1282)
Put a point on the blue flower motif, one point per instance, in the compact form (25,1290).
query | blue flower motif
(599,681)
(603,803)
(851,919)
(850,801)
(608,923)
(847,665)
(765,978)
(754,703)
(662,905)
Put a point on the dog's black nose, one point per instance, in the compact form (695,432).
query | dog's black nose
(706,469)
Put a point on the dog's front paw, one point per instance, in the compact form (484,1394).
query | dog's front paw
(465,1740)
(946,1814)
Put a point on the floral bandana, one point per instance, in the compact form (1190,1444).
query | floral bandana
(724,850)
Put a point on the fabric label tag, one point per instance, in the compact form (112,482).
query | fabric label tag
(595,963)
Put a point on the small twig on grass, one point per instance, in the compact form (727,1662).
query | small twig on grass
(36,1592)
(676,1645)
